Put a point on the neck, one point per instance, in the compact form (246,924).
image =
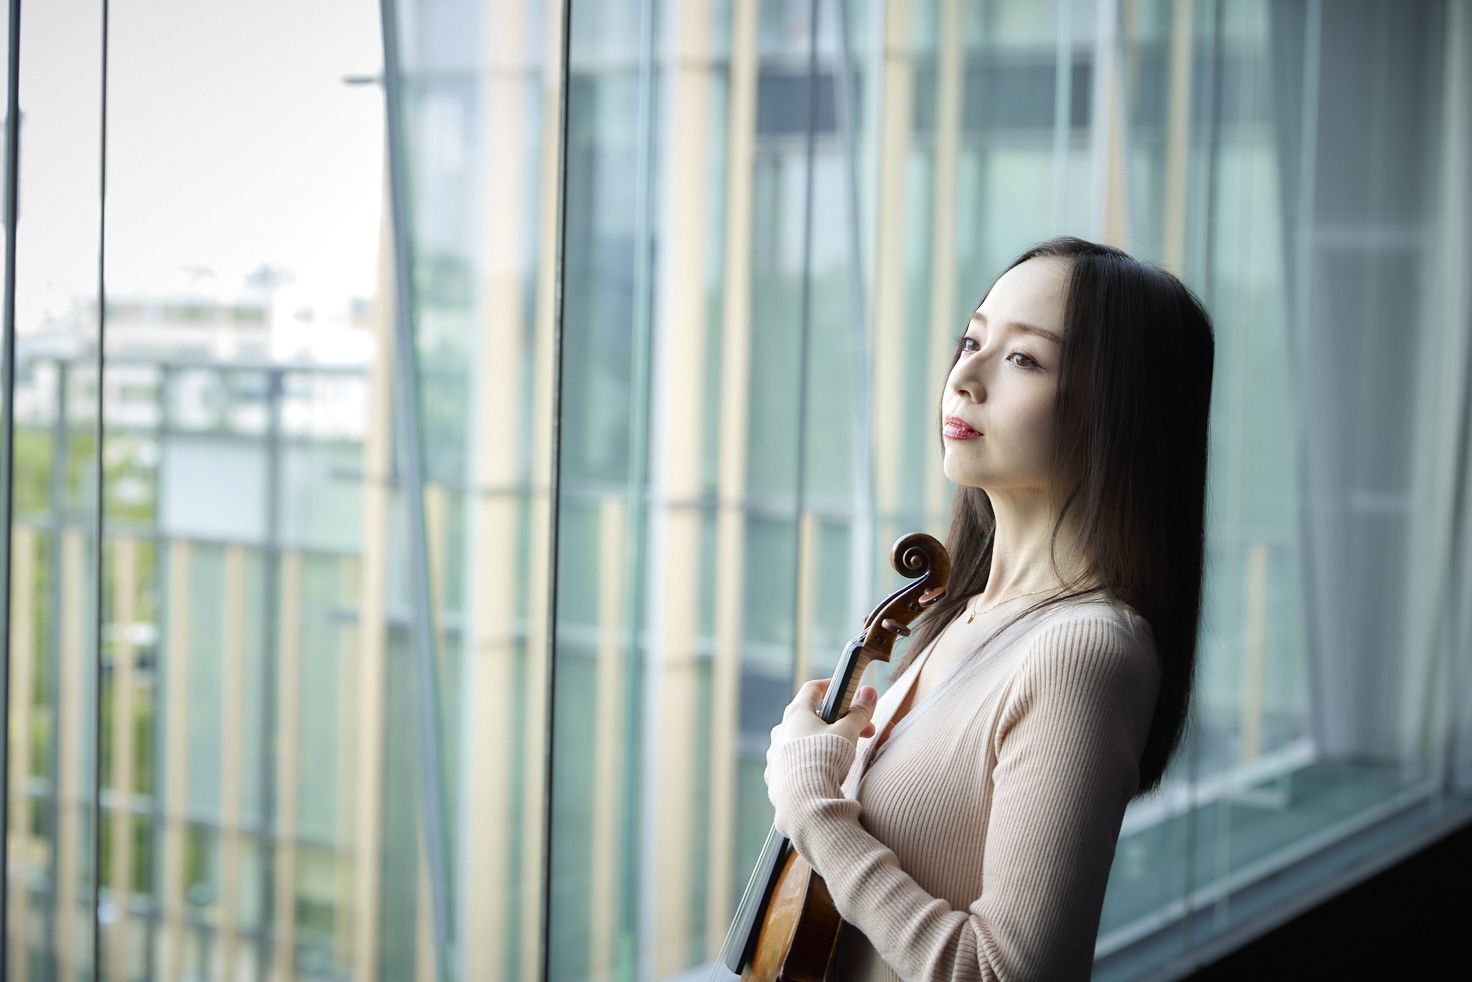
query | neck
(1025,560)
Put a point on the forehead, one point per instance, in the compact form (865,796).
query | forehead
(1029,293)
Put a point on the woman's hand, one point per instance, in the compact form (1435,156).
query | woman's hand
(801,718)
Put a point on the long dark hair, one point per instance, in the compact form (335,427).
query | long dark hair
(1134,391)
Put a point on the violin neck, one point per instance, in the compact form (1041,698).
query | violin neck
(846,676)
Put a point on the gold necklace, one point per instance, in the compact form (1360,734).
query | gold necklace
(972,613)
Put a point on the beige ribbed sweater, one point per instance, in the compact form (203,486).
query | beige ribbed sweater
(976,843)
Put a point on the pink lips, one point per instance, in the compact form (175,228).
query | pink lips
(958,429)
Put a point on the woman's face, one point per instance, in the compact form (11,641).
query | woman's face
(997,414)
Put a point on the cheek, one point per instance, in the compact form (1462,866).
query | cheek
(1035,420)
(1033,432)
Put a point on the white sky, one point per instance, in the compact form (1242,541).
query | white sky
(233,143)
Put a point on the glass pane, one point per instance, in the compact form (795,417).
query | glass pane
(657,400)
(53,666)
(481,87)
(1170,129)
(244,315)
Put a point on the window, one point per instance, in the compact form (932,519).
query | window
(464,515)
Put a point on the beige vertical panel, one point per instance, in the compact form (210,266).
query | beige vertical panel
(436,507)
(124,592)
(807,570)
(1177,138)
(539,558)
(731,517)
(70,749)
(176,763)
(608,745)
(897,106)
(1063,11)
(436,516)
(489,910)
(232,737)
(288,735)
(944,322)
(22,683)
(349,647)
(1111,204)
(1253,650)
(677,453)
(424,953)
(436,519)
(367,802)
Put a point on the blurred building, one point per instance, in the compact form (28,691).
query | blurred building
(462,665)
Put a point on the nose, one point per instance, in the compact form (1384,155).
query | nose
(968,377)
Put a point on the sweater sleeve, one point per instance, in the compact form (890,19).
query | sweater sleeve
(1065,761)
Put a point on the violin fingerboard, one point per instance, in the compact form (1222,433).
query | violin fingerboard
(846,678)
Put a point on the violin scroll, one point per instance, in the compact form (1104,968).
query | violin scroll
(921,558)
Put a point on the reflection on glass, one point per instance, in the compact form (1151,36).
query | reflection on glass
(234,400)
(54,682)
(723,507)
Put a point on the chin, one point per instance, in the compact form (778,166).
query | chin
(964,476)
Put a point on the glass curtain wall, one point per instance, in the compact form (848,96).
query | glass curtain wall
(184,749)
(465,514)
(54,646)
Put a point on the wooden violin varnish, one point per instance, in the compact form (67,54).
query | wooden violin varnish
(786,927)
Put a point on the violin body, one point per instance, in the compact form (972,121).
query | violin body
(787,927)
(799,935)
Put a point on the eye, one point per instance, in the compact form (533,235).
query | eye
(1022,361)
(969,343)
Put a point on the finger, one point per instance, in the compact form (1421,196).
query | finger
(814,690)
(808,697)
(867,698)
(859,715)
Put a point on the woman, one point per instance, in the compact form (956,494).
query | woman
(965,824)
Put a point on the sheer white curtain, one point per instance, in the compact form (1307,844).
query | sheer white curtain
(1375,169)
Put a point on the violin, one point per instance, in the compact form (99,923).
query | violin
(786,928)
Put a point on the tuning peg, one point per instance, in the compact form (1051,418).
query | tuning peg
(890,624)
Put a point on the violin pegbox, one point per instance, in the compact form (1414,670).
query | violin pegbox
(918,557)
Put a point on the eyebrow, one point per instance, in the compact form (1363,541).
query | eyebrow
(1023,327)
